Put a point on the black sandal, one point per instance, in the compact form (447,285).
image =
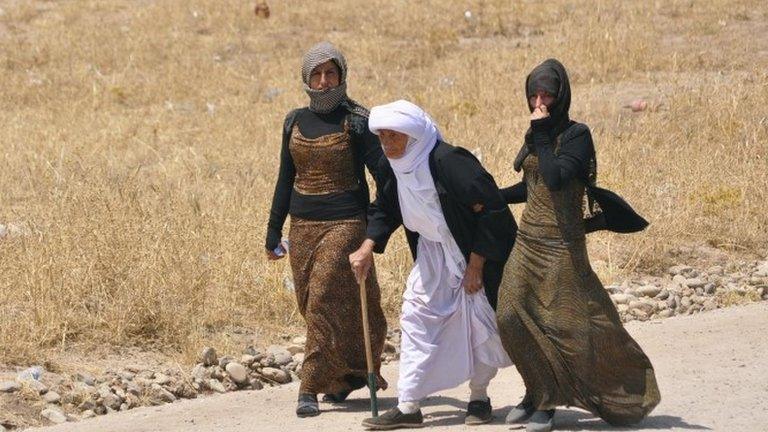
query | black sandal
(308,406)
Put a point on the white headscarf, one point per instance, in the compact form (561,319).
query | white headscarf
(419,203)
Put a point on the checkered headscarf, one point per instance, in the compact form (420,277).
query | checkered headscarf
(325,101)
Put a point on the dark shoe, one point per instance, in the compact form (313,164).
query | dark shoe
(394,419)
(479,412)
(541,421)
(521,412)
(336,397)
(307,406)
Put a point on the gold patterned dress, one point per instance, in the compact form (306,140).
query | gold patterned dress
(326,290)
(556,319)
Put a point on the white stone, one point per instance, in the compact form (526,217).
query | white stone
(237,372)
(52,397)
(9,386)
(54,414)
(216,386)
(621,298)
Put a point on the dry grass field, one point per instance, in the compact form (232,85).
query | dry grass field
(140,142)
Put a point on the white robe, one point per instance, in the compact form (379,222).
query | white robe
(445,331)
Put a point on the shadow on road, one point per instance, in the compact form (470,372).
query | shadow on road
(569,419)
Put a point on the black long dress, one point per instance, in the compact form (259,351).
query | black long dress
(556,320)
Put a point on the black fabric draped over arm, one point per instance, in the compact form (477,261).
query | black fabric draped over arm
(367,146)
(384,216)
(492,229)
(515,194)
(572,159)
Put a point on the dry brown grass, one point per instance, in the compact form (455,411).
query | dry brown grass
(140,142)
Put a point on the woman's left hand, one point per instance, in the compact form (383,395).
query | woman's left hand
(473,275)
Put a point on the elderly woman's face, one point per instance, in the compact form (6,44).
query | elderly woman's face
(393,143)
(325,76)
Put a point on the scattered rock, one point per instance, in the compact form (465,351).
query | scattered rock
(277,375)
(295,349)
(679,280)
(621,298)
(87,405)
(237,372)
(160,395)
(644,306)
(225,360)
(85,377)
(54,414)
(679,269)
(88,414)
(30,373)
(162,379)
(247,360)
(52,397)
(208,357)
(299,340)
(216,386)
(694,283)
(9,386)
(648,291)
(256,384)
(715,270)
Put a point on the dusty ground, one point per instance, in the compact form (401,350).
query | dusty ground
(709,368)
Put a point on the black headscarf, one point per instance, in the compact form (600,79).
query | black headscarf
(551,77)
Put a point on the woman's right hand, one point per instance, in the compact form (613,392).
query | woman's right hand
(361,260)
(540,112)
(272,256)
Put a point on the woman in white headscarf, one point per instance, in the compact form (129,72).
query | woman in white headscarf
(461,232)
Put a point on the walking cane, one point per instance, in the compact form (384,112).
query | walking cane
(368,352)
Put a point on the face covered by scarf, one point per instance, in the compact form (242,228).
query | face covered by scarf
(550,76)
(419,203)
(324,101)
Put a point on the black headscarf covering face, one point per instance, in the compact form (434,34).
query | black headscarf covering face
(551,77)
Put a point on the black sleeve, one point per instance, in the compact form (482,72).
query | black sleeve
(368,144)
(281,199)
(515,194)
(572,159)
(384,213)
(474,185)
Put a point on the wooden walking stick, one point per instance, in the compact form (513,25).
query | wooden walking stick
(368,352)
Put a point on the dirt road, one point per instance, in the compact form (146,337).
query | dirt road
(710,369)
